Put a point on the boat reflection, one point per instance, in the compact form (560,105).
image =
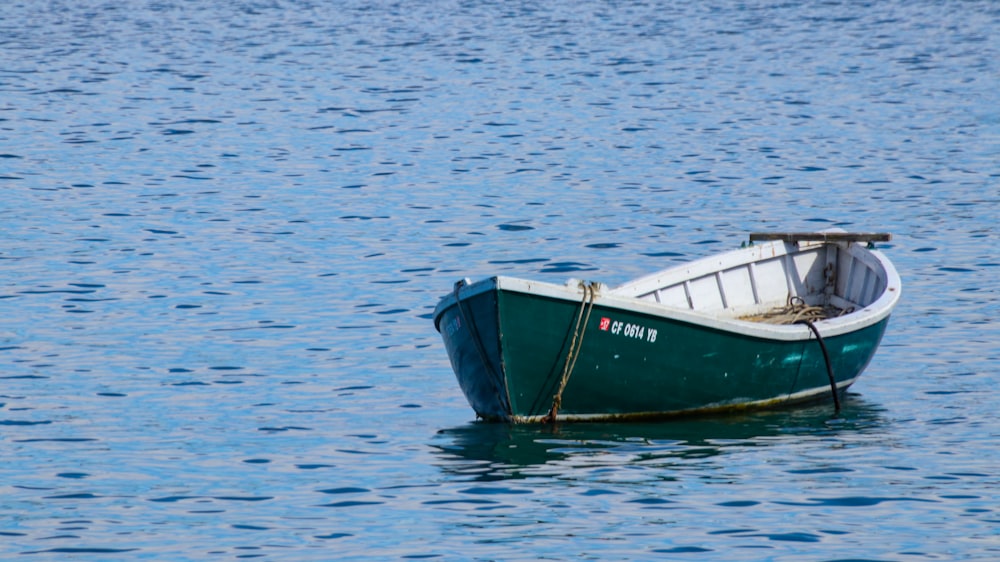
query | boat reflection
(494,451)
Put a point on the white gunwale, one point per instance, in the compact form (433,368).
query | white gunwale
(876,296)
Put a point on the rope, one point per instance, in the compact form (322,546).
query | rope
(829,367)
(582,317)
(796,311)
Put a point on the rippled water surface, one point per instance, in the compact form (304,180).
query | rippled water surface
(226,224)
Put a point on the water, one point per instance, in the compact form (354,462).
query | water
(226,224)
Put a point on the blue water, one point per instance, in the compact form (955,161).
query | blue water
(225,226)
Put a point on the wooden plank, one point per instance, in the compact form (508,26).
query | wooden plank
(821,236)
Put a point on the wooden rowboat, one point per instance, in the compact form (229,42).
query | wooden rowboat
(790,317)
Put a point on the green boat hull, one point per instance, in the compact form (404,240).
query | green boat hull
(509,350)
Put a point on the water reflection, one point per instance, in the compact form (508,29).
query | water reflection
(489,452)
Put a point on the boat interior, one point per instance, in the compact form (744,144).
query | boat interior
(777,282)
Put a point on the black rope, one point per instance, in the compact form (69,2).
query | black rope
(829,367)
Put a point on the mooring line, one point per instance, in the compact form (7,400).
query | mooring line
(826,358)
(582,318)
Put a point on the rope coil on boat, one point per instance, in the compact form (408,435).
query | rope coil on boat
(796,311)
(580,329)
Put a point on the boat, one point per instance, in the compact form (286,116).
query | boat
(787,318)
